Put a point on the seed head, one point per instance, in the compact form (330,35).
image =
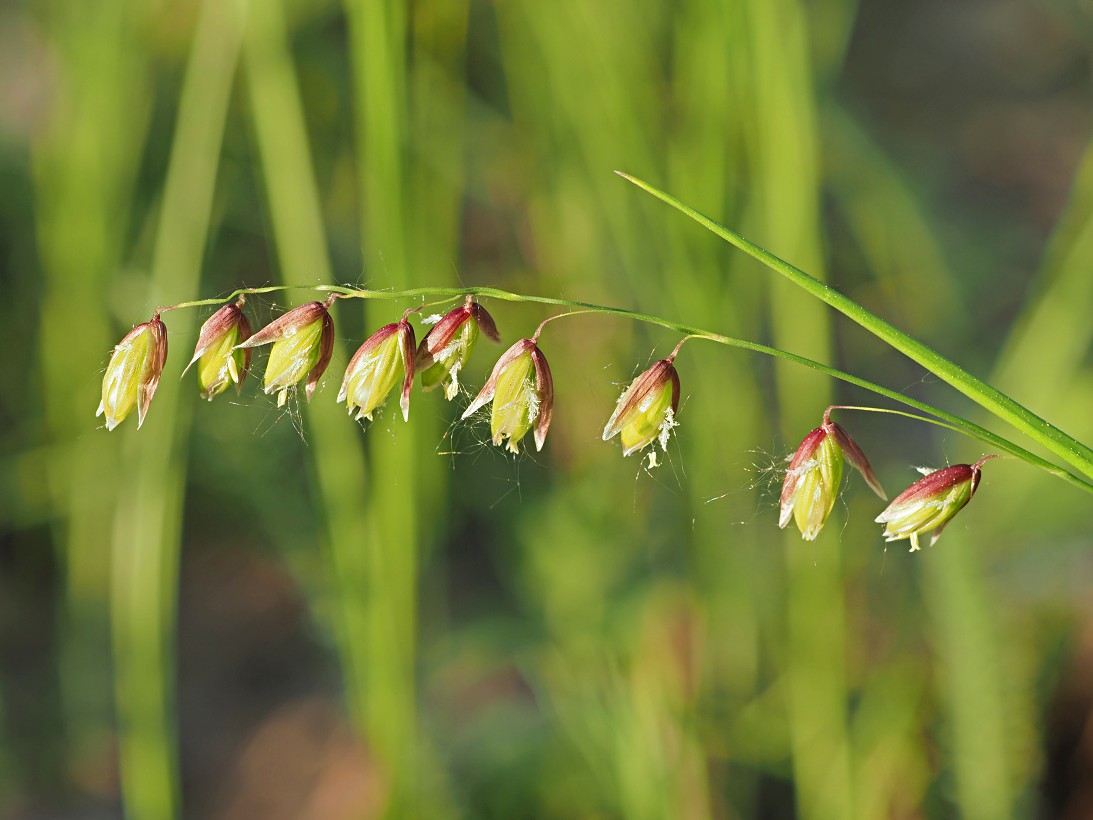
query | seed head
(303,341)
(219,361)
(646,412)
(930,503)
(448,344)
(815,474)
(522,391)
(376,367)
(132,375)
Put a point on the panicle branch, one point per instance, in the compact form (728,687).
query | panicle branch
(520,391)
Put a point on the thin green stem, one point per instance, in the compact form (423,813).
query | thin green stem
(675,351)
(549,319)
(1052,438)
(891,412)
(220,300)
(947,420)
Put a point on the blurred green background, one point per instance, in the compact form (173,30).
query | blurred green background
(241,612)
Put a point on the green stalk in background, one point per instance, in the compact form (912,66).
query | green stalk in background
(370,526)
(555,105)
(999,404)
(372,565)
(148,516)
(378,44)
(709,62)
(84,161)
(895,237)
(890,227)
(337,456)
(1056,320)
(437,182)
(785,181)
(970,676)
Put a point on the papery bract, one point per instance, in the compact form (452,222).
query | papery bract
(929,504)
(522,391)
(448,344)
(220,361)
(376,367)
(645,412)
(815,474)
(132,375)
(303,341)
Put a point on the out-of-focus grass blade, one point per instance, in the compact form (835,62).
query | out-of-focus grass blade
(785,181)
(84,160)
(339,468)
(148,516)
(378,60)
(970,678)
